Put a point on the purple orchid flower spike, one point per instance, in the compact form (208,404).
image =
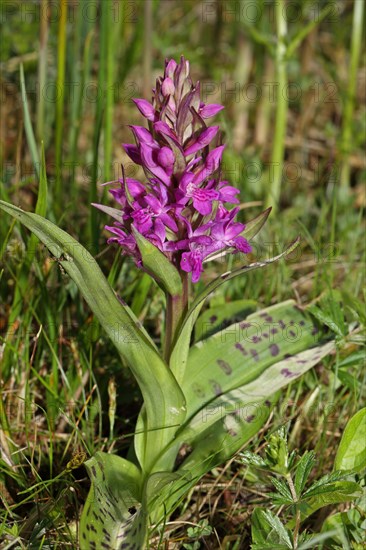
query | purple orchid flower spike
(182,206)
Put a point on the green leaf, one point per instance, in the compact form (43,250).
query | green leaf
(41,207)
(283,490)
(252,227)
(304,31)
(164,400)
(326,319)
(303,470)
(249,404)
(28,124)
(158,265)
(179,356)
(324,484)
(113,516)
(243,351)
(335,493)
(222,439)
(268,531)
(248,399)
(217,318)
(351,454)
(346,528)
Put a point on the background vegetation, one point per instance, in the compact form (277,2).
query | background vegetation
(292,78)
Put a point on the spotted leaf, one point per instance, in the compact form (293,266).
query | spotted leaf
(113,517)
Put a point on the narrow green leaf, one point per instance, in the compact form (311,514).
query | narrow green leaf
(164,400)
(115,213)
(267,529)
(113,516)
(252,227)
(283,490)
(158,265)
(28,124)
(303,470)
(351,454)
(41,206)
(325,318)
(314,540)
(305,30)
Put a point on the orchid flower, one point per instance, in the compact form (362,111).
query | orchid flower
(183,191)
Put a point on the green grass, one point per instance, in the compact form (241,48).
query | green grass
(57,366)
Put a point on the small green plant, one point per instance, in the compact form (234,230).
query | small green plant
(299,495)
(202,529)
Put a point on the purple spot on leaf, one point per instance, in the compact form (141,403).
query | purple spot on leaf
(315,330)
(287,373)
(282,324)
(274,331)
(269,319)
(274,349)
(256,339)
(213,318)
(250,418)
(245,325)
(254,354)
(224,366)
(241,349)
(216,387)
(292,333)
(198,390)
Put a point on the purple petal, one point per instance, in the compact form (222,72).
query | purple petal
(143,135)
(149,163)
(169,222)
(142,219)
(170,68)
(210,110)
(119,195)
(202,200)
(145,108)
(154,203)
(242,244)
(227,194)
(162,128)
(166,157)
(135,187)
(168,87)
(211,165)
(214,158)
(133,152)
(192,262)
(159,230)
(204,139)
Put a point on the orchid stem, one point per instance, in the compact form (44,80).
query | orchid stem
(176,308)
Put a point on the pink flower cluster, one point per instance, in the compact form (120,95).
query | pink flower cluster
(181,208)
